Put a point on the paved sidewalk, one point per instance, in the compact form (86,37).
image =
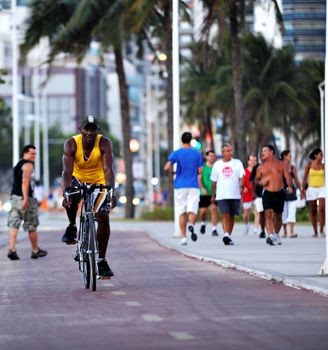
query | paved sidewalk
(297,262)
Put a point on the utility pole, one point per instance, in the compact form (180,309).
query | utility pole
(15,114)
(176,94)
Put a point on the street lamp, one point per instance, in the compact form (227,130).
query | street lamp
(14,83)
(134,145)
(27,125)
(32,117)
(176,94)
(322,113)
(324,268)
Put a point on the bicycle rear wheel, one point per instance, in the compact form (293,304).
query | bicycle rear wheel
(92,252)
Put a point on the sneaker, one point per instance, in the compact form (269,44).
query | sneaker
(104,270)
(203,229)
(70,236)
(246,230)
(270,241)
(262,234)
(227,240)
(215,233)
(278,239)
(12,255)
(193,234)
(183,241)
(77,257)
(39,254)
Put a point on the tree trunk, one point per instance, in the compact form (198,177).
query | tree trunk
(169,86)
(126,131)
(240,144)
(286,131)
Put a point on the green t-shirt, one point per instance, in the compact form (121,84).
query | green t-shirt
(206,179)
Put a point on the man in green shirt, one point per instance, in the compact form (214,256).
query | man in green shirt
(205,185)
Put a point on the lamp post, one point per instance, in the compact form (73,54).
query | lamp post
(322,113)
(176,94)
(14,84)
(32,117)
(45,142)
(324,268)
(150,189)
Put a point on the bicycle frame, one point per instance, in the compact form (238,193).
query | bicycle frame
(87,245)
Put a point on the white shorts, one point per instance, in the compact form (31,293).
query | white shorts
(314,193)
(289,213)
(258,204)
(186,200)
(247,205)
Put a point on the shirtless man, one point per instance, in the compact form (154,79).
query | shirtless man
(270,175)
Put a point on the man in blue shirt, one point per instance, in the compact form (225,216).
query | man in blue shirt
(186,188)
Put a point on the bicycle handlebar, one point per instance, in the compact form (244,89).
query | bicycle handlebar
(88,188)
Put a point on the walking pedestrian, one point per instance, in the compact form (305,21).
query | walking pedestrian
(289,213)
(228,179)
(270,175)
(186,188)
(247,196)
(259,217)
(205,185)
(314,191)
(24,206)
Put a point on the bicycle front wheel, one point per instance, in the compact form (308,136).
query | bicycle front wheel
(92,252)
(84,256)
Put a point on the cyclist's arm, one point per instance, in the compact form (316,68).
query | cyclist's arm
(68,162)
(107,158)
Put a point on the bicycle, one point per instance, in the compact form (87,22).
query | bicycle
(87,246)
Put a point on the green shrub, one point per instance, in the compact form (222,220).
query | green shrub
(167,214)
(158,214)
(302,214)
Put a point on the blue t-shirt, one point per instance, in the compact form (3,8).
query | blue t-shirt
(188,161)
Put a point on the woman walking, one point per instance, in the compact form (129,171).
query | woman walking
(289,213)
(315,175)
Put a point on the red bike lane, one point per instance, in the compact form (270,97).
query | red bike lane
(158,299)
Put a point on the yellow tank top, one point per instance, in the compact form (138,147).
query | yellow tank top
(316,178)
(90,170)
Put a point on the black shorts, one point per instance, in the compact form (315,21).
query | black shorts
(205,201)
(229,206)
(274,200)
(99,199)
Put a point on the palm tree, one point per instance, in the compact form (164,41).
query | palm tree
(310,75)
(271,98)
(207,87)
(70,27)
(233,10)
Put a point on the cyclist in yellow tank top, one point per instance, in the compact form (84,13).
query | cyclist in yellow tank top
(88,158)
(315,175)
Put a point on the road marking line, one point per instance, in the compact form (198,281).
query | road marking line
(109,284)
(132,303)
(182,335)
(151,318)
(118,292)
